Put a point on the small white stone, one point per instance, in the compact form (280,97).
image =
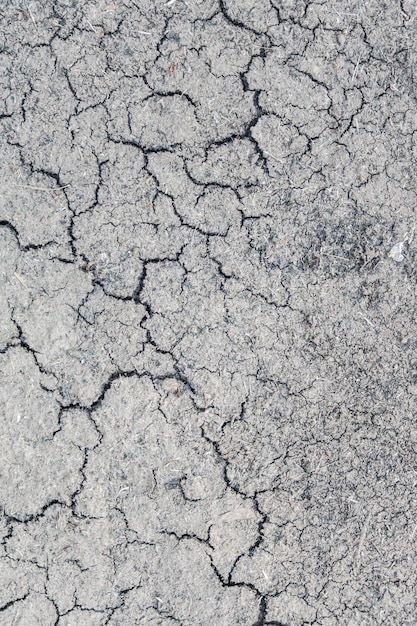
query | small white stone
(396,252)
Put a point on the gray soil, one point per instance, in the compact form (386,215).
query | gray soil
(208,322)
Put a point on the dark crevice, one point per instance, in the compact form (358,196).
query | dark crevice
(7,605)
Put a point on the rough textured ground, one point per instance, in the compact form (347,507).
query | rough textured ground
(208,357)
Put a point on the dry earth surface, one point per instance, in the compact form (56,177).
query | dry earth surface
(208,324)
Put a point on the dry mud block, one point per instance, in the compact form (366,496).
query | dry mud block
(208,329)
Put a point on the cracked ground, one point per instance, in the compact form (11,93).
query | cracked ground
(208,329)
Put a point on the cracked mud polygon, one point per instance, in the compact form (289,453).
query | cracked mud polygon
(208,323)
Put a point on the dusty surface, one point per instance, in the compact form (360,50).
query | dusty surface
(208,352)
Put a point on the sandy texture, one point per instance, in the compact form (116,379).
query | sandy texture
(208,330)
